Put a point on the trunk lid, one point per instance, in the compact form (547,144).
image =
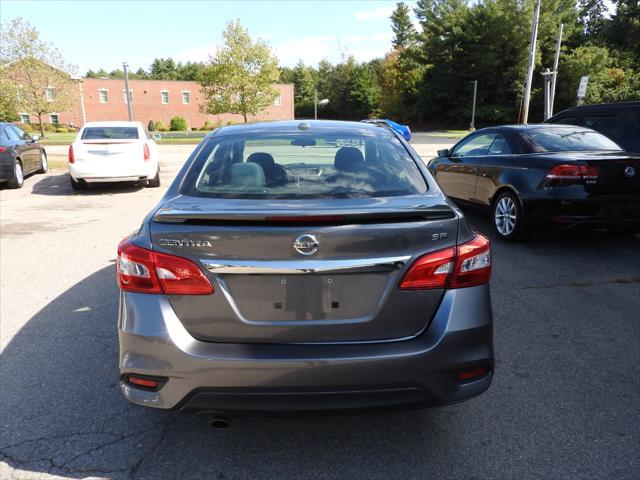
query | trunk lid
(270,288)
(110,155)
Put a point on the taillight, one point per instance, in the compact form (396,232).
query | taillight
(72,158)
(146,271)
(463,266)
(147,155)
(2,149)
(567,174)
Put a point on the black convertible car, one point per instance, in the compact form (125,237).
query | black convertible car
(561,175)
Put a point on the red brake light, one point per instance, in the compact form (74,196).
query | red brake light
(466,265)
(147,155)
(72,158)
(143,382)
(573,173)
(145,271)
(2,149)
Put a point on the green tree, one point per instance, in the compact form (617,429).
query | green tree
(163,69)
(8,103)
(35,71)
(607,83)
(241,77)
(403,31)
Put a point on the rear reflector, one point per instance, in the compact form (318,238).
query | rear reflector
(146,382)
(472,374)
(145,150)
(72,158)
(466,265)
(145,271)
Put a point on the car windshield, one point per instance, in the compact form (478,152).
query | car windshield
(303,166)
(565,139)
(107,133)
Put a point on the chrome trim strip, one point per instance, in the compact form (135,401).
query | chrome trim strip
(295,267)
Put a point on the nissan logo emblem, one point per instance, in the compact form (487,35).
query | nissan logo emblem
(306,244)
(629,172)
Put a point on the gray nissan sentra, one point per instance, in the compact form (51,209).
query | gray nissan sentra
(304,266)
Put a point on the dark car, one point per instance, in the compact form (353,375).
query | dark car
(618,121)
(559,174)
(403,130)
(304,266)
(20,155)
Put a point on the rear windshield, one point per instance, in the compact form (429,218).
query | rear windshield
(107,133)
(561,139)
(303,166)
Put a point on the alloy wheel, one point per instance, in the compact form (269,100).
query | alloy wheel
(505,216)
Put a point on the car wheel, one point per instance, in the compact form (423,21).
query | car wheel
(77,185)
(508,217)
(155,181)
(44,165)
(18,176)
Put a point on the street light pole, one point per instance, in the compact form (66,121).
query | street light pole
(472,127)
(127,94)
(532,61)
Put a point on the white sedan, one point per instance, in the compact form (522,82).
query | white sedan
(113,152)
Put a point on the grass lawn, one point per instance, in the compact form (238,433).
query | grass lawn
(449,133)
(53,138)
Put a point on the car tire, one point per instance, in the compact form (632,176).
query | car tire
(77,185)
(155,181)
(44,164)
(18,176)
(507,216)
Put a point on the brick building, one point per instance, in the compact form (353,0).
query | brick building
(157,100)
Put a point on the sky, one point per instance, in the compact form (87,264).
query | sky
(103,34)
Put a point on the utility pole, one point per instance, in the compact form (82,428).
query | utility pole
(315,104)
(556,60)
(532,61)
(127,94)
(472,126)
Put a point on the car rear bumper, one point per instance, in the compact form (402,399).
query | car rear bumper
(597,212)
(129,178)
(205,376)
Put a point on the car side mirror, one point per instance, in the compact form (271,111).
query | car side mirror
(444,153)
(35,138)
(156,136)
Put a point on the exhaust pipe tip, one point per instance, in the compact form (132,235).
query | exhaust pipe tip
(220,422)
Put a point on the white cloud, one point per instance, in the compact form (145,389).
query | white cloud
(380,12)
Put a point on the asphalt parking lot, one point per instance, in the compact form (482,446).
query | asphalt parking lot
(565,402)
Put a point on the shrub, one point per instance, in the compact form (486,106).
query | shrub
(161,127)
(151,126)
(26,127)
(178,124)
(62,130)
(49,127)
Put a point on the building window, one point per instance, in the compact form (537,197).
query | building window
(54,118)
(278,101)
(24,118)
(50,93)
(104,95)
(130,96)
(164,97)
(186,98)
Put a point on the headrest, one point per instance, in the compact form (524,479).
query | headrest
(349,159)
(247,175)
(263,159)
